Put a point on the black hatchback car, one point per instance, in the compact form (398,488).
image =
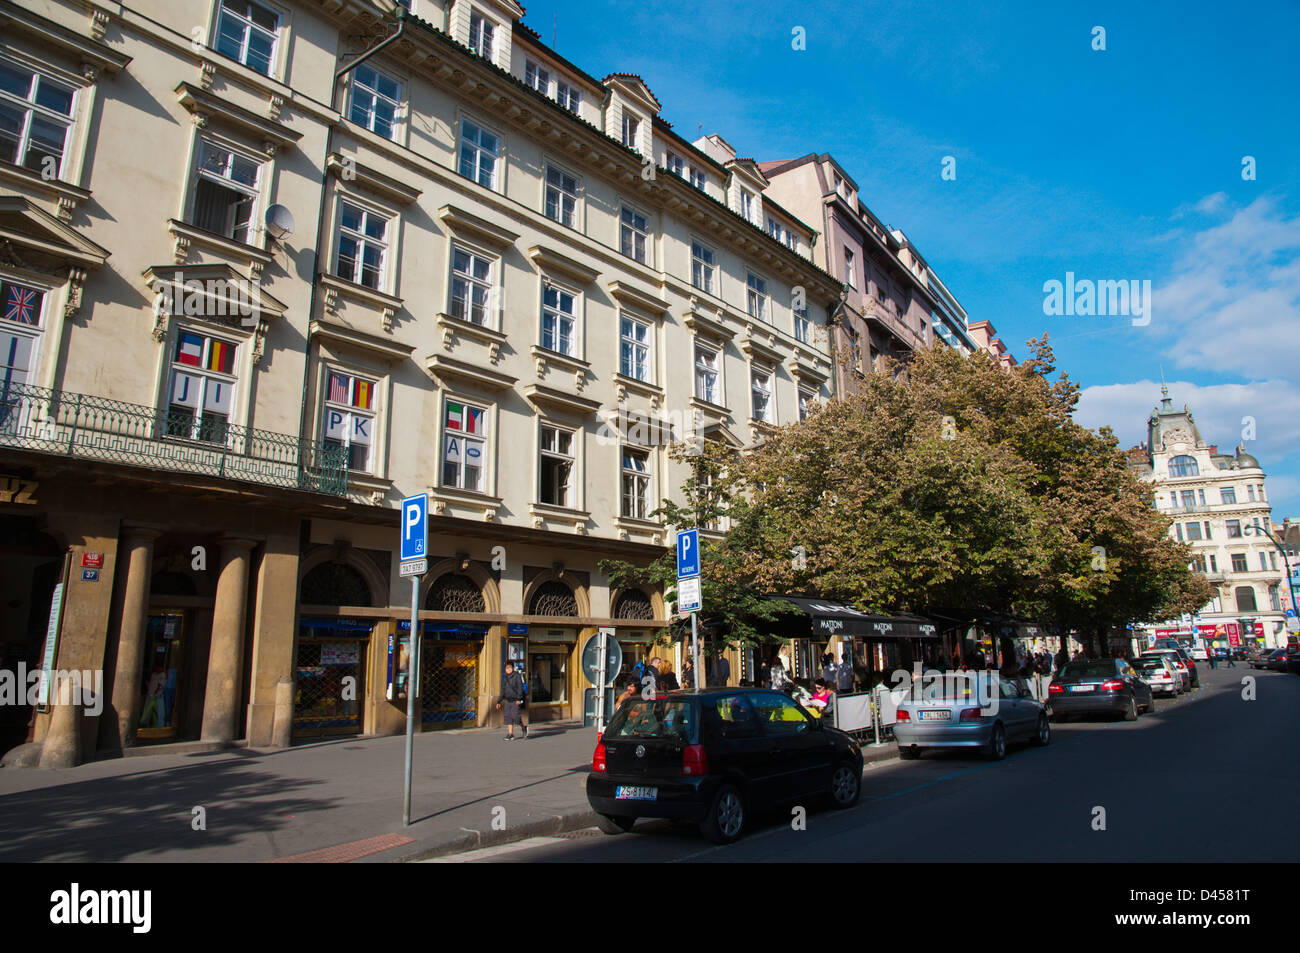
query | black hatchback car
(714,757)
(1106,685)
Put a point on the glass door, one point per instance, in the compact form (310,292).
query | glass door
(163,657)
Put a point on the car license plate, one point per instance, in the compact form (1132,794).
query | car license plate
(626,792)
(941,714)
(1082,688)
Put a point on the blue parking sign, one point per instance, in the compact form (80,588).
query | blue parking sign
(688,553)
(415,527)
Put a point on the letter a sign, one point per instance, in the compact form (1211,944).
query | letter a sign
(415,527)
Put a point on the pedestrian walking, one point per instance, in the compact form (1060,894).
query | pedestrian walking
(1229,659)
(780,677)
(844,673)
(666,676)
(688,674)
(514,694)
(1212,659)
(720,674)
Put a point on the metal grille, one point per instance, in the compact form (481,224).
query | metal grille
(633,604)
(454,593)
(79,425)
(324,702)
(553,598)
(448,683)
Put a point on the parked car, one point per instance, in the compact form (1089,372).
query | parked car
(1159,674)
(998,711)
(716,757)
(1221,653)
(1184,674)
(1193,679)
(1277,660)
(1199,654)
(1261,658)
(1108,686)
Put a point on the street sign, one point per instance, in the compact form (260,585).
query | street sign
(1293,624)
(591,658)
(688,553)
(414,567)
(589,706)
(415,527)
(688,594)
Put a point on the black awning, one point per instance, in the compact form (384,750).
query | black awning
(830,618)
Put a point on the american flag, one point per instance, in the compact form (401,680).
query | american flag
(22,305)
(339,388)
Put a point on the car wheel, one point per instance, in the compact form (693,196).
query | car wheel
(1131,713)
(997,749)
(726,818)
(846,785)
(1151,708)
(909,752)
(1043,735)
(614,823)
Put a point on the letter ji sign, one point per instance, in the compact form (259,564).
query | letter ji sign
(415,527)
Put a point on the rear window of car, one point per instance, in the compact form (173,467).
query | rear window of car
(1150,665)
(655,718)
(1088,669)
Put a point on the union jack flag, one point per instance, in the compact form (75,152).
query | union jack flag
(22,305)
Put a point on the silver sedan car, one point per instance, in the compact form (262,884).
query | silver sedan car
(985,717)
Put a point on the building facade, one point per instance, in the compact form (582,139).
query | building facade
(1218,504)
(269,267)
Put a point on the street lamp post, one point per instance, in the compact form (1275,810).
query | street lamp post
(1262,530)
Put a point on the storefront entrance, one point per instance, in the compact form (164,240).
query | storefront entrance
(449,673)
(166,642)
(546,655)
(331,677)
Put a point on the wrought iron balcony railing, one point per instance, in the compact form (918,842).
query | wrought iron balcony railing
(94,428)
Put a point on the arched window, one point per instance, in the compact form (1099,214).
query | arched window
(633,604)
(553,598)
(455,593)
(335,584)
(169,583)
(1183,466)
(1245,598)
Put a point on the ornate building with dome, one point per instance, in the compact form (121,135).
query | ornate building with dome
(1218,504)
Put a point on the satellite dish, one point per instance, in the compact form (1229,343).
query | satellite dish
(279,222)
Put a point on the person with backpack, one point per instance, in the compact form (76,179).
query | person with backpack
(514,693)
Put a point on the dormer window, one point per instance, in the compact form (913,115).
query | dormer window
(538,77)
(631,130)
(482,34)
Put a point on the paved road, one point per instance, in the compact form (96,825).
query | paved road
(1175,786)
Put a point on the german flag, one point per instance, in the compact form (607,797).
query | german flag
(221,356)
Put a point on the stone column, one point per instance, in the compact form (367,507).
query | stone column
(130,640)
(225,659)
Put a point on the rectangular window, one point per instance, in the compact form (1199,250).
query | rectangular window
(35,117)
(636,483)
(1200,497)
(698,179)
(362,247)
(850,268)
(702,267)
(349,418)
(1239,562)
(675,164)
(471,286)
(1193,531)
(479,152)
(1234,529)
(21,308)
(756,297)
(202,387)
(761,389)
(556,465)
(1178,528)
(247,32)
(1173,500)
(570,97)
(633,230)
(538,77)
(482,35)
(376,101)
(464,446)
(806,399)
(1272,558)
(1207,530)
(634,350)
(1274,598)
(1189,498)
(1263,561)
(631,130)
(225,192)
(1228,494)
(1250,492)
(1214,563)
(747,205)
(558,320)
(706,374)
(561,197)
(802,325)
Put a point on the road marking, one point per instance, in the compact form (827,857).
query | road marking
(342,853)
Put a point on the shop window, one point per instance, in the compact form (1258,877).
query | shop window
(335,584)
(455,593)
(548,676)
(633,604)
(202,389)
(553,598)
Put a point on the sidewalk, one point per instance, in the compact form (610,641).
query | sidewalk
(341,798)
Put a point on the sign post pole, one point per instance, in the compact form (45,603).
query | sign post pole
(695,653)
(415,563)
(412,670)
(689,590)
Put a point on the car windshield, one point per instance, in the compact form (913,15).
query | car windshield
(654,718)
(1103,668)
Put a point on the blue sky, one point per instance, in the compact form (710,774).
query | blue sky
(1117,164)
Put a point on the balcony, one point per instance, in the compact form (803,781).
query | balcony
(80,426)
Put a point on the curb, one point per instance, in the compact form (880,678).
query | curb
(477,840)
